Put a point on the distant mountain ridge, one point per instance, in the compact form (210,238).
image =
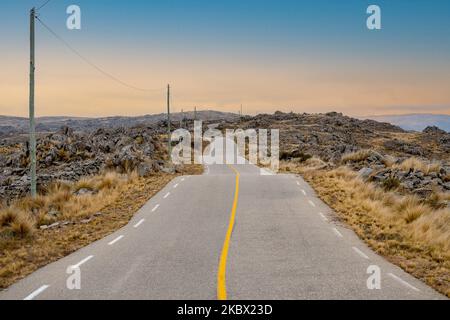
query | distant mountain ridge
(415,122)
(17,125)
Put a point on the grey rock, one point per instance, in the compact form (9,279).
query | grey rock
(145,169)
(54,225)
(84,191)
(169,170)
(364,173)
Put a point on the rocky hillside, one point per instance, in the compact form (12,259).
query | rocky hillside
(67,155)
(331,135)
(378,151)
(10,126)
(386,154)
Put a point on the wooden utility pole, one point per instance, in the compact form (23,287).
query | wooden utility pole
(168,123)
(182,119)
(31,107)
(195,113)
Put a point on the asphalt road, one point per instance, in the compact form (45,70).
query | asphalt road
(283,244)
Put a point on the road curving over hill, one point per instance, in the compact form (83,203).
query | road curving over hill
(279,241)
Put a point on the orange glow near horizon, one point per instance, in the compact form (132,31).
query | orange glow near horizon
(77,90)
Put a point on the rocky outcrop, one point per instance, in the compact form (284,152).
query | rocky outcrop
(404,147)
(434,130)
(331,136)
(66,155)
(412,181)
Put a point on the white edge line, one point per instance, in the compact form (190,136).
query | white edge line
(175,186)
(115,240)
(304,192)
(298,183)
(139,223)
(37,292)
(338,233)
(167,195)
(403,282)
(362,254)
(155,208)
(81,262)
(323,216)
(183,179)
(312,203)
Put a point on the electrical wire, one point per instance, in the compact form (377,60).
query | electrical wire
(43,5)
(93,65)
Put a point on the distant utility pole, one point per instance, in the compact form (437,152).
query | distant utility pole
(181,118)
(168,123)
(32,123)
(195,114)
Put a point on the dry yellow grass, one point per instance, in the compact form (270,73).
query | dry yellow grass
(419,165)
(406,230)
(357,156)
(312,163)
(9,149)
(24,247)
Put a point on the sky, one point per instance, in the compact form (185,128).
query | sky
(267,55)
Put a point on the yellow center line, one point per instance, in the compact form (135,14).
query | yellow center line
(221,275)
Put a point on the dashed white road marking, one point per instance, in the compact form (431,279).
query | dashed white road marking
(362,254)
(304,192)
(115,240)
(167,195)
(79,264)
(176,186)
(323,216)
(155,208)
(403,282)
(312,203)
(139,223)
(183,179)
(37,292)
(336,231)
(298,183)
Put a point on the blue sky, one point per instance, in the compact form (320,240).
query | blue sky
(224,53)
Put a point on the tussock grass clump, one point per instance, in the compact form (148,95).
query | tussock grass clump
(23,227)
(16,222)
(357,156)
(61,202)
(419,165)
(390,183)
(109,181)
(32,205)
(311,164)
(84,183)
(7,217)
(438,200)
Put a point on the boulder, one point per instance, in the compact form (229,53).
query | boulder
(364,173)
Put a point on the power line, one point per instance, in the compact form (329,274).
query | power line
(86,60)
(43,5)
